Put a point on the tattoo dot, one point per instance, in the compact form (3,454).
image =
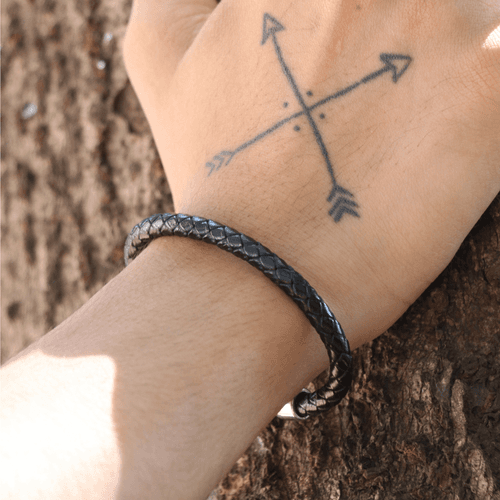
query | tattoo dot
(309,93)
(297,128)
(285,104)
(321,115)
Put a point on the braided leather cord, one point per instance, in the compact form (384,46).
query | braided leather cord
(305,404)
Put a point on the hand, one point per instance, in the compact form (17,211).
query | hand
(368,193)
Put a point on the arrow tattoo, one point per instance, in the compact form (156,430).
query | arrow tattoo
(340,197)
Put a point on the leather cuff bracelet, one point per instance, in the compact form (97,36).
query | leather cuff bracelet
(305,404)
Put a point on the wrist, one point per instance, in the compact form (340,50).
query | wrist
(196,351)
(242,349)
(329,260)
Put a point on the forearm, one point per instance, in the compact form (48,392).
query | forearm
(158,384)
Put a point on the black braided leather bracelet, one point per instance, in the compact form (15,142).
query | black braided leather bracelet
(305,404)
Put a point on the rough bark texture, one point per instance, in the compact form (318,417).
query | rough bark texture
(423,418)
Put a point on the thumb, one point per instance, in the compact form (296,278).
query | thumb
(159,32)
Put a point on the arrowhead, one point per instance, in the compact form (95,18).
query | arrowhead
(396,63)
(271,26)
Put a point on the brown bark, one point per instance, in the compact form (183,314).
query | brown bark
(422,419)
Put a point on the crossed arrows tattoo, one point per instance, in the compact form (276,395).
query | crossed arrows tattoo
(341,199)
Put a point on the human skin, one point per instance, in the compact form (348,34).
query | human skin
(421,156)
(159,383)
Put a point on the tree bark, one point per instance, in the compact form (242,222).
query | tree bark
(80,169)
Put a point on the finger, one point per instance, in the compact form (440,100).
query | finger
(159,32)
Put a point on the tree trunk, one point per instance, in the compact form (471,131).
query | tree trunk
(80,169)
